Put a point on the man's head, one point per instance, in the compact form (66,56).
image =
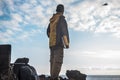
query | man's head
(60,8)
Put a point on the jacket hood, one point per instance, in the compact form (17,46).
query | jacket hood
(55,17)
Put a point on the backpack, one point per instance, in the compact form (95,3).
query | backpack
(24,71)
(28,73)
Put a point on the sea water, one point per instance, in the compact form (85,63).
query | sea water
(102,74)
(103,77)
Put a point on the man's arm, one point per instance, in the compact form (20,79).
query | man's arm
(65,32)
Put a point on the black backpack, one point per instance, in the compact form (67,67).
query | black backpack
(24,71)
(28,73)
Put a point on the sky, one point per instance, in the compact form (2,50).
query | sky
(94,31)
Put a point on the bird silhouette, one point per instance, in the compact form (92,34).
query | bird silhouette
(105,4)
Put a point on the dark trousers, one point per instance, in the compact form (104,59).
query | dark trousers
(56,60)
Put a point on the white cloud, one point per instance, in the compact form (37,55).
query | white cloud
(27,35)
(10,3)
(117,34)
(1,13)
(25,7)
(21,16)
(59,1)
(94,54)
(34,2)
(24,36)
(6,36)
(93,16)
(110,24)
(17,17)
(81,16)
(108,54)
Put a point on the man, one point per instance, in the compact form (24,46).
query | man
(57,32)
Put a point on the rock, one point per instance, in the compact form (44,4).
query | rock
(75,75)
(5,57)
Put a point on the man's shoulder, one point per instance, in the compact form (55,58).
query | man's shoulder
(62,17)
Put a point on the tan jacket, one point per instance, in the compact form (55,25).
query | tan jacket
(57,31)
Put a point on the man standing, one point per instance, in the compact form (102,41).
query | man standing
(57,32)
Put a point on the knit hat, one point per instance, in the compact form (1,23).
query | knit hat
(60,8)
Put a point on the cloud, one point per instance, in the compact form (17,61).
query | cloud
(27,35)
(87,15)
(94,17)
(110,25)
(22,14)
(1,13)
(104,54)
(6,36)
(93,58)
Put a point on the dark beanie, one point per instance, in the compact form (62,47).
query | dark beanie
(60,8)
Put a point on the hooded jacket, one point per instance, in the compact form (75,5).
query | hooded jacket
(57,31)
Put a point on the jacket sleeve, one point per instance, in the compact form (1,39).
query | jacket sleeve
(64,30)
(48,31)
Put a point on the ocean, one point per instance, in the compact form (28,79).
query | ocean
(100,77)
(110,74)
(103,77)
(102,74)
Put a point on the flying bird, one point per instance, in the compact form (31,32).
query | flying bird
(105,4)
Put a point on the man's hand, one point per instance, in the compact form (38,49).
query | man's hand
(67,46)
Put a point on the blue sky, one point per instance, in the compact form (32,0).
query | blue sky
(93,28)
